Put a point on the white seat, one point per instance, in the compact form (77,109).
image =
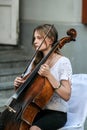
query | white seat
(77,104)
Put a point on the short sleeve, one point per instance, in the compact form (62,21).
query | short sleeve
(65,71)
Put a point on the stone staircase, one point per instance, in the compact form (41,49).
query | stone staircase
(12,63)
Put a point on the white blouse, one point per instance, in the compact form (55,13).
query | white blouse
(61,70)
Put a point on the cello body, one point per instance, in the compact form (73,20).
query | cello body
(29,103)
(31,97)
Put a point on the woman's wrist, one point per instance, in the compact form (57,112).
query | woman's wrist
(57,87)
(51,79)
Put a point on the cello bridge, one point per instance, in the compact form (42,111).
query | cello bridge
(11,109)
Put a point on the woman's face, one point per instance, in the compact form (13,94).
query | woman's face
(38,39)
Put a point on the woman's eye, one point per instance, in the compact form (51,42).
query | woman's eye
(39,37)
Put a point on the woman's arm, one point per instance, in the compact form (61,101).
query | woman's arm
(63,88)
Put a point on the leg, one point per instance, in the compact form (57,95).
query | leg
(50,120)
(34,128)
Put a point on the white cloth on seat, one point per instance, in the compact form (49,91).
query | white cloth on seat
(77,104)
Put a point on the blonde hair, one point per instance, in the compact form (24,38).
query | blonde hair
(53,35)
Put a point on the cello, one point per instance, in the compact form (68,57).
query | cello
(29,99)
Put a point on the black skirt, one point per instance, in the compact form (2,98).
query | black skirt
(50,119)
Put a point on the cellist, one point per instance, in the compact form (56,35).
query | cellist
(58,70)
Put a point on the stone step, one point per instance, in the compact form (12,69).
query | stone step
(8,75)
(12,64)
(6,85)
(13,58)
(11,71)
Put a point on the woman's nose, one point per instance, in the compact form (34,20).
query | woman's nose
(35,41)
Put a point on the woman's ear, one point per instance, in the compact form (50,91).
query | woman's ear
(51,41)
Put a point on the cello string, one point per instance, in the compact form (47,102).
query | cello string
(36,51)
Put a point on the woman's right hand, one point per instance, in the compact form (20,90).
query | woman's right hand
(18,82)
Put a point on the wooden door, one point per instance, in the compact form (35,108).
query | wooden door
(84,11)
(9,21)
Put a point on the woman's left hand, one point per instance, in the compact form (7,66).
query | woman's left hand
(44,70)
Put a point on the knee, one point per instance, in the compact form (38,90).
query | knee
(34,128)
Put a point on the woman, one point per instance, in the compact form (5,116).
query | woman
(57,69)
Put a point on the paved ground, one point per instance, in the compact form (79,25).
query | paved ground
(5,95)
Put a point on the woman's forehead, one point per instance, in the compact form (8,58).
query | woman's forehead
(39,32)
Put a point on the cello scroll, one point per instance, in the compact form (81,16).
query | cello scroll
(72,34)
